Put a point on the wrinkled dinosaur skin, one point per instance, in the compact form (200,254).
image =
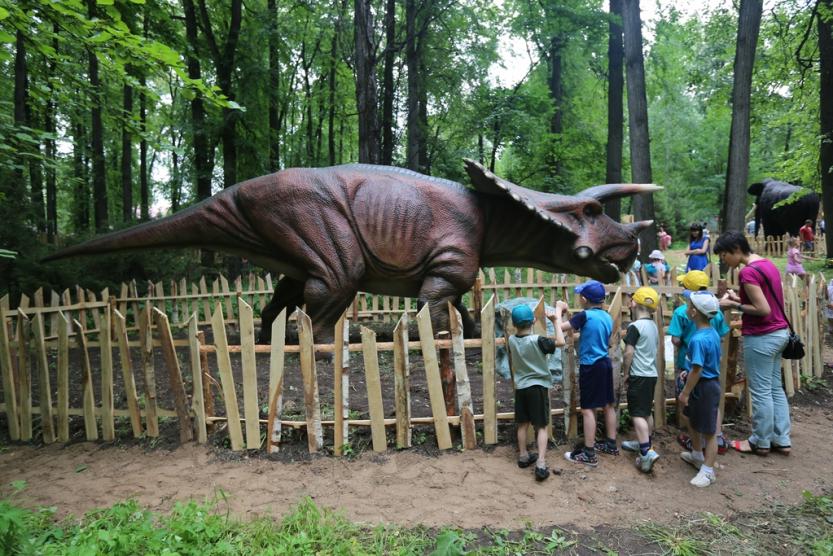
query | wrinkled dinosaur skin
(335,231)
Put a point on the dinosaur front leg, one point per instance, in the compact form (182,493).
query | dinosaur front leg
(438,292)
(326,302)
(289,294)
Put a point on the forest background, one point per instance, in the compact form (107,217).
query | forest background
(109,108)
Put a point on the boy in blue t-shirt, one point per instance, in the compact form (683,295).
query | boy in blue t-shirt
(595,373)
(680,330)
(701,395)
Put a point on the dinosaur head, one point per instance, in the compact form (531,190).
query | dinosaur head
(576,234)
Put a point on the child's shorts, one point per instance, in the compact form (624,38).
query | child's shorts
(702,406)
(641,395)
(532,405)
(595,383)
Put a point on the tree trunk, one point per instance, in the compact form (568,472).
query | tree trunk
(413,59)
(366,89)
(35,175)
(144,188)
(51,180)
(825,30)
(81,210)
(737,173)
(615,112)
(643,205)
(101,215)
(388,84)
(556,87)
(202,158)
(127,155)
(274,88)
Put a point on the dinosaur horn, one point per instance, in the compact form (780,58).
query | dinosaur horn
(637,227)
(610,191)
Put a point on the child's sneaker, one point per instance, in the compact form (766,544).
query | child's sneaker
(541,473)
(703,479)
(646,463)
(691,459)
(630,445)
(579,456)
(531,458)
(605,448)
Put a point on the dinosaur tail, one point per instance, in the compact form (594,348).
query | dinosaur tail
(216,223)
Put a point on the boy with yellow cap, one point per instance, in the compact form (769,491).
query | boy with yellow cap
(681,329)
(640,372)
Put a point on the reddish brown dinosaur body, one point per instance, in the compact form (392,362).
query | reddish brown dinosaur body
(334,231)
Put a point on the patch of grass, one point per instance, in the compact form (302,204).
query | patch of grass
(674,541)
(813,383)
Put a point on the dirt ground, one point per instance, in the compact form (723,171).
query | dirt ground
(470,489)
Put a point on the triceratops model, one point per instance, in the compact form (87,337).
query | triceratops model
(335,231)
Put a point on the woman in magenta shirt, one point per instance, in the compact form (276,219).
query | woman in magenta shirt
(765,332)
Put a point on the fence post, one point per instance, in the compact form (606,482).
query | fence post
(461,374)
(47,421)
(276,361)
(90,426)
(197,387)
(7,369)
(63,378)
(251,407)
(312,405)
(487,349)
(148,370)
(401,375)
(108,428)
(374,390)
(24,376)
(186,430)
(127,373)
(218,326)
(432,375)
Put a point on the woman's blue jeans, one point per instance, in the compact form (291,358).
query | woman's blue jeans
(770,410)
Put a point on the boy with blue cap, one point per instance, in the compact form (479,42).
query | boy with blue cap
(533,381)
(595,373)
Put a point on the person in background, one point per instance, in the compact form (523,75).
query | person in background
(533,382)
(664,238)
(765,333)
(794,265)
(750,228)
(639,368)
(698,248)
(657,269)
(807,235)
(828,311)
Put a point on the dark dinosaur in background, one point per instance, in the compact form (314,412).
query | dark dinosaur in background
(335,231)
(788,218)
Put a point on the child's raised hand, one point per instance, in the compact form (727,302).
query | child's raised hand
(561,304)
(551,314)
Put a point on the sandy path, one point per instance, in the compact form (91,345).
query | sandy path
(469,489)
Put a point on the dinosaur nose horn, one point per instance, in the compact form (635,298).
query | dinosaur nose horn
(583,252)
(610,191)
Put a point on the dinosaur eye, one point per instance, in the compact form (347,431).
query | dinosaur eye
(592,209)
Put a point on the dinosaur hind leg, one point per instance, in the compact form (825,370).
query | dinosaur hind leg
(289,294)
(325,305)
(437,292)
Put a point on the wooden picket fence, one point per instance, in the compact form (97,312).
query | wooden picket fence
(30,335)
(776,246)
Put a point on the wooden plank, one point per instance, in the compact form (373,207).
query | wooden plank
(251,407)
(90,427)
(461,375)
(487,334)
(54,301)
(128,380)
(432,375)
(148,371)
(197,399)
(227,294)
(276,369)
(63,378)
(341,383)
(7,370)
(24,376)
(312,405)
(374,390)
(818,292)
(401,383)
(186,429)
(90,299)
(570,389)
(206,304)
(218,326)
(108,427)
(659,390)
(44,387)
